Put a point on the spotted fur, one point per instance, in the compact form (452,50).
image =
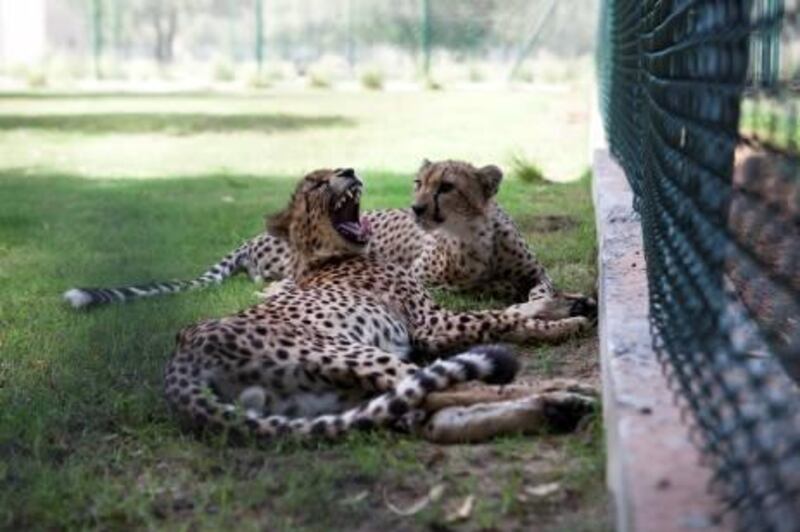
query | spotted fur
(330,350)
(464,242)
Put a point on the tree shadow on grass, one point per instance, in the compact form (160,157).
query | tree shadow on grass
(67,377)
(170,123)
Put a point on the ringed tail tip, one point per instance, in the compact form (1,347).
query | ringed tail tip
(77,298)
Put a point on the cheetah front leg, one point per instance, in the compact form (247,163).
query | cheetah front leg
(532,284)
(542,299)
(547,303)
(443,331)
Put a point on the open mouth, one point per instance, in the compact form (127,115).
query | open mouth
(346,217)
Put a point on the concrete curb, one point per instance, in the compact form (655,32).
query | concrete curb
(654,473)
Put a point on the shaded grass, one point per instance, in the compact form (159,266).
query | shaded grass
(169,123)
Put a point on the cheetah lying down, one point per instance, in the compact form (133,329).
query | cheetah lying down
(330,351)
(455,237)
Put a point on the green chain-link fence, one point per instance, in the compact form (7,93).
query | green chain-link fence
(700,103)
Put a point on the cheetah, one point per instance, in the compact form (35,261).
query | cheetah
(331,351)
(455,237)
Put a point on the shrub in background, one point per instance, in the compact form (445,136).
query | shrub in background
(223,71)
(372,79)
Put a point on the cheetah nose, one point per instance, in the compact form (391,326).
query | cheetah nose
(419,210)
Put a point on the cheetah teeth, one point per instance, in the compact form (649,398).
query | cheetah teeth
(349,194)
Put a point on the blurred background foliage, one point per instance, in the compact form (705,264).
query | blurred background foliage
(321,42)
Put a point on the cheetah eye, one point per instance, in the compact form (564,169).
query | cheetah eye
(417,183)
(445,187)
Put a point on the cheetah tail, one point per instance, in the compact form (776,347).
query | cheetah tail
(490,364)
(225,268)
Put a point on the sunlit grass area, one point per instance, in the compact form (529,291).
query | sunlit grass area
(109,190)
(268,134)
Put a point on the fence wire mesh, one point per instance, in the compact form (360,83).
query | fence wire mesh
(700,100)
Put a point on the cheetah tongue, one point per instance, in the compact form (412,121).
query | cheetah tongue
(366,226)
(358,231)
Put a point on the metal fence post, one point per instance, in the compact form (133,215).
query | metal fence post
(97,36)
(259,15)
(425,36)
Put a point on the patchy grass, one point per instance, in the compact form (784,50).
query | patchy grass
(85,438)
(527,171)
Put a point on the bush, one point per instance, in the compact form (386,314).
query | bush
(476,74)
(326,70)
(318,80)
(372,80)
(223,71)
(527,171)
(432,84)
(258,81)
(36,78)
(61,68)
(524,75)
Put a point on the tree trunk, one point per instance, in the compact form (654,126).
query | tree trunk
(165,24)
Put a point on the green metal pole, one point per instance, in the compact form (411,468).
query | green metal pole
(425,42)
(116,17)
(97,36)
(351,45)
(260,34)
(537,32)
(231,30)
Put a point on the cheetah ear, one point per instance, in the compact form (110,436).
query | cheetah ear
(490,177)
(278,224)
(425,164)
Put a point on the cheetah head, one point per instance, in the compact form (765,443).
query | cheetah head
(450,194)
(322,220)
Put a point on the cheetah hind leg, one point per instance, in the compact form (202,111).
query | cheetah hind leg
(473,393)
(559,411)
(490,364)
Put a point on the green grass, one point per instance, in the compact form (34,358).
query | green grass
(85,438)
